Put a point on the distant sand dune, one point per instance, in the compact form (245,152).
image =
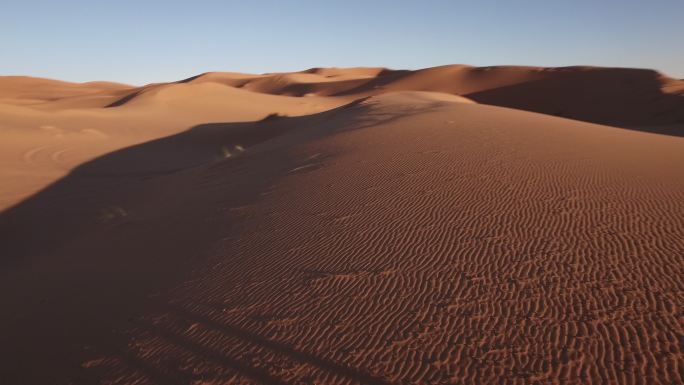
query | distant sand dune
(389,228)
(619,96)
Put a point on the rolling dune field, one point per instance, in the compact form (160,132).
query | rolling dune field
(451,225)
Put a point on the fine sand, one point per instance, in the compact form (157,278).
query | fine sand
(452,225)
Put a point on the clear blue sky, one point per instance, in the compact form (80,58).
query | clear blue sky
(146,41)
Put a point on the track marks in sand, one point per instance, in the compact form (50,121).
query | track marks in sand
(54,153)
(61,144)
(231,350)
(31,155)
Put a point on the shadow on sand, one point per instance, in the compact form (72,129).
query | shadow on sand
(86,256)
(82,257)
(624,98)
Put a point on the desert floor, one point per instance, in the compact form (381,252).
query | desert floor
(452,225)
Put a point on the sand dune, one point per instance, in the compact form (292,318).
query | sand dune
(389,228)
(602,95)
(617,96)
(27,90)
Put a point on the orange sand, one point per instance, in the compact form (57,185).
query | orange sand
(344,226)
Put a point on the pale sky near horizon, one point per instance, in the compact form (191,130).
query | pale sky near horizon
(139,42)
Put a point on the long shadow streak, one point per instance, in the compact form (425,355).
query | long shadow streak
(330,366)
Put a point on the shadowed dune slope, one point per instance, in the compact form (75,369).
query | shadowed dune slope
(405,238)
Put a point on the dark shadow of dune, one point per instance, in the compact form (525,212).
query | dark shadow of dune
(384,78)
(134,93)
(70,206)
(82,256)
(676,129)
(626,98)
(344,87)
(91,252)
(125,99)
(191,78)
